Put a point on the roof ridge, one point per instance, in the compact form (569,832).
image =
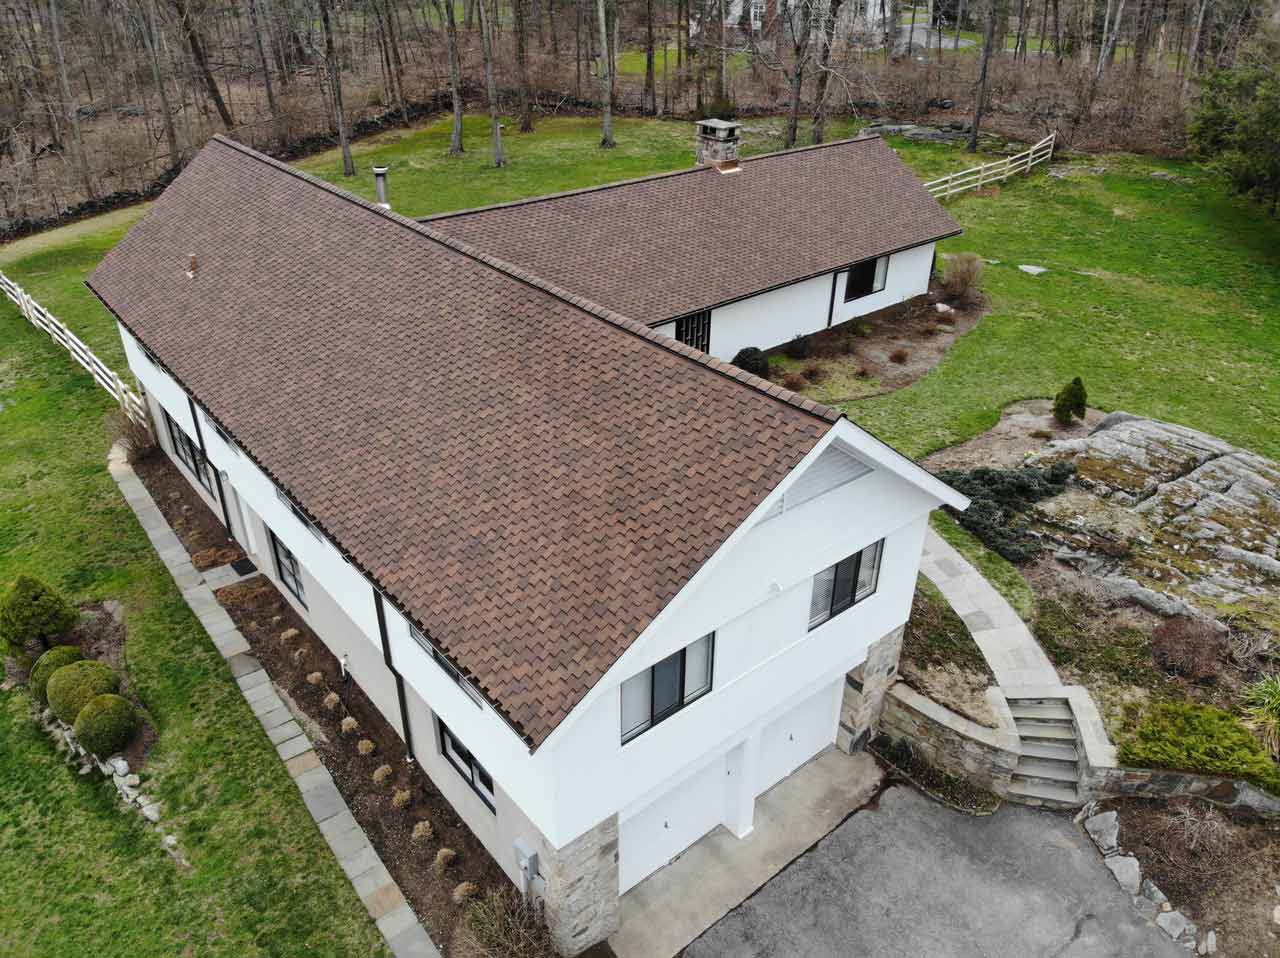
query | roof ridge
(626,323)
(668,174)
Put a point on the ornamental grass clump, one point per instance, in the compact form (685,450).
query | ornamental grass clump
(381,774)
(315,678)
(365,746)
(423,831)
(963,281)
(46,665)
(464,891)
(71,687)
(444,858)
(400,799)
(349,725)
(31,611)
(1261,702)
(106,724)
(503,923)
(332,701)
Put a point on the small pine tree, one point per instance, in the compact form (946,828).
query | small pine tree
(1071,401)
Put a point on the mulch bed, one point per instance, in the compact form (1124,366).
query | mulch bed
(1231,885)
(101,635)
(197,528)
(262,615)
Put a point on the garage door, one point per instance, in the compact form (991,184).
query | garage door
(665,828)
(796,737)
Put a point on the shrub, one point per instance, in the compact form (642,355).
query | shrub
(998,497)
(502,923)
(136,439)
(1072,400)
(47,664)
(349,725)
(32,611)
(444,858)
(1191,737)
(106,724)
(365,746)
(381,774)
(794,381)
(400,799)
(1261,702)
(464,891)
(963,281)
(899,356)
(1188,647)
(71,687)
(814,372)
(798,348)
(753,361)
(423,831)
(331,701)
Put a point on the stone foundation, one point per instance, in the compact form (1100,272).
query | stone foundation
(864,692)
(581,896)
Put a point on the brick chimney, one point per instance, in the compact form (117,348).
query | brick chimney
(718,144)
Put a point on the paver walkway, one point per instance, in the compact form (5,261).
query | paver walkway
(1007,644)
(373,883)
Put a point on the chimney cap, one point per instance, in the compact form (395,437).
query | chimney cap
(720,129)
(380,183)
(380,170)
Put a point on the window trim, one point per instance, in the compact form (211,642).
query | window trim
(694,329)
(473,768)
(685,702)
(853,598)
(848,277)
(295,587)
(449,669)
(188,453)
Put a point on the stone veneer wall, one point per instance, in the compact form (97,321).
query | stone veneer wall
(1162,783)
(951,742)
(864,692)
(581,896)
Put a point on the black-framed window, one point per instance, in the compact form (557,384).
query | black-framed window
(460,758)
(866,278)
(188,451)
(445,665)
(287,568)
(659,692)
(695,330)
(845,584)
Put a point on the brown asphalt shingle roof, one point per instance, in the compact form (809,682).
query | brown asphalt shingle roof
(531,480)
(668,245)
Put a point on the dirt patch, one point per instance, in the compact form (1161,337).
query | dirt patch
(1227,883)
(940,659)
(197,528)
(877,353)
(263,616)
(1024,428)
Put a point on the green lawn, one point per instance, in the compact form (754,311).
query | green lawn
(81,877)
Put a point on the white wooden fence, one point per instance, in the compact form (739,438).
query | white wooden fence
(979,176)
(104,375)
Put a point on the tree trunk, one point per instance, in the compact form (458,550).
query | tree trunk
(444,9)
(68,104)
(202,63)
(148,20)
(993,14)
(491,86)
(266,70)
(606,80)
(824,68)
(522,64)
(650,89)
(1193,49)
(334,69)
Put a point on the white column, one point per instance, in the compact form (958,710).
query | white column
(740,786)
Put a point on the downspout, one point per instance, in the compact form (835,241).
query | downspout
(217,476)
(386,655)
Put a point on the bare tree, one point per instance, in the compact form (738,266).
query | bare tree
(522,65)
(444,9)
(68,104)
(606,79)
(824,67)
(491,86)
(191,29)
(262,59)
(989,41)
(334,70)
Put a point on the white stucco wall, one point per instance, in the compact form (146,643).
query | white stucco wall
(774,318)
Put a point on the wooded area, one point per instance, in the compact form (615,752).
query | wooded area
(106,97)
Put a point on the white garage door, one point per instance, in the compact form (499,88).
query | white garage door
(797,736)
(665,828)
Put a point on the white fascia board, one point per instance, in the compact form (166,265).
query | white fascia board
(876,453)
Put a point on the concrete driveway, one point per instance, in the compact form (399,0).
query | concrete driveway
(913,879)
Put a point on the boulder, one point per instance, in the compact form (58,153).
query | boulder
(1104,829)
(1174,924)
(1127,872)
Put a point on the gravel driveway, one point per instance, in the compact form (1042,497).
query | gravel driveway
(910,878)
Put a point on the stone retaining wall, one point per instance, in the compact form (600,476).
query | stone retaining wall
(949,741)
(1161,783)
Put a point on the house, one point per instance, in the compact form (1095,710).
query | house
(608,588)
(732,253)
(861,21)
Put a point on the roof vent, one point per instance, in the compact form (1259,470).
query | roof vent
(380,180)
(191,266)
(718,144)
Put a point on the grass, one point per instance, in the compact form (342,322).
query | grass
(83,877)
(936,635)
(999,571)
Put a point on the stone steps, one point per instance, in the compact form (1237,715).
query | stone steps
(1047,731)
(1053,750)
(1043,710)
(1048,771)
(1034,792)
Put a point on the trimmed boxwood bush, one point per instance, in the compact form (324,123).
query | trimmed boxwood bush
(47,664)
(31,610)
(72,686)
(106,724)
(1191,737)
